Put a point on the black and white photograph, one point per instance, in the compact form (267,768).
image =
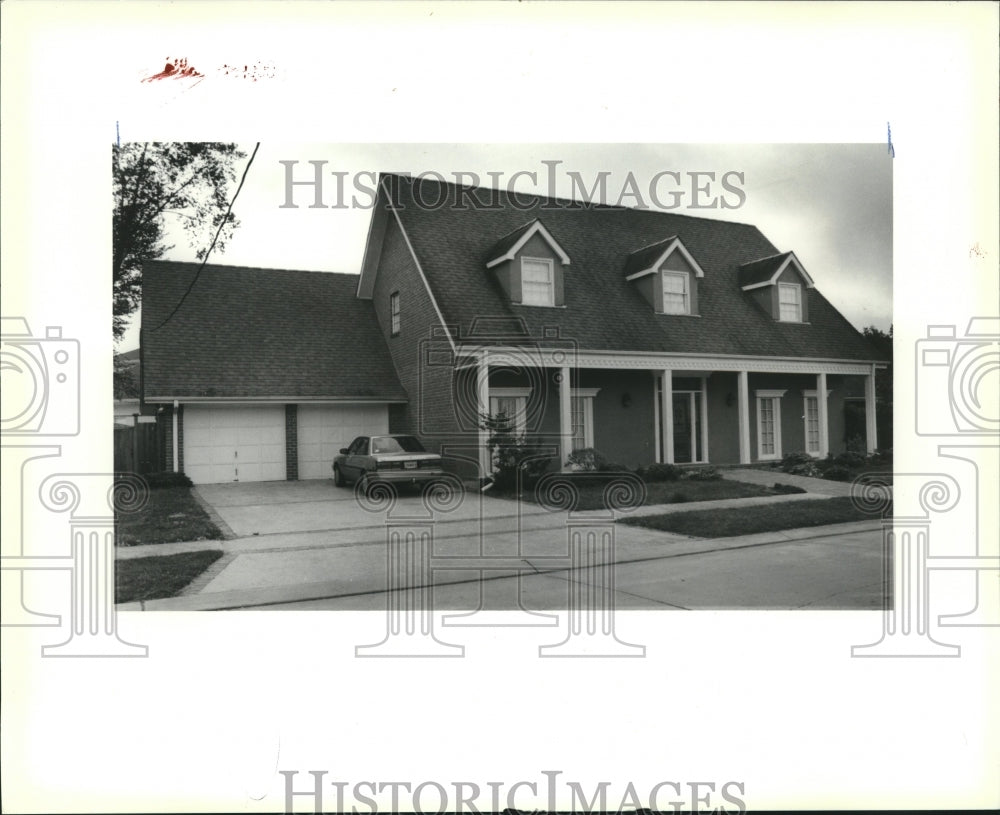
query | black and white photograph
(559,407)
(590,362)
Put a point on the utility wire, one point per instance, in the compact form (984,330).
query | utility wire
(210,248)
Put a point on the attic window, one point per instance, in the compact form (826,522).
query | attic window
(676,293)
(394,312)
(790,302)
(536,282)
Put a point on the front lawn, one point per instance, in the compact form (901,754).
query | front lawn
(170,515)
(727,523)
(150,578)
(591,496)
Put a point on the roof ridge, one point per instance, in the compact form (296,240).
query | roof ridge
(249,268)
(769,257)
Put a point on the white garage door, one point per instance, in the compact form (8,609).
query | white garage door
(234,443)
(324,429)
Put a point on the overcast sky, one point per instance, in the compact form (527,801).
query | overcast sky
(830,204)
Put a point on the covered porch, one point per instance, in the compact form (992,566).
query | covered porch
(639,409)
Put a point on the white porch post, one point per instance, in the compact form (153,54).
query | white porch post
(483,409)
(822,415)
(692,420)
(870,426)
(743,401)
(704,419)
(173,422)
(565,418)
(667,395)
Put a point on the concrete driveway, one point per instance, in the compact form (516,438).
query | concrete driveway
(283,507)
(308,544)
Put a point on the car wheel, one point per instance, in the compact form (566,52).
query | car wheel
(338,477)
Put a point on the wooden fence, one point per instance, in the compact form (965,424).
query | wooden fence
(137,449)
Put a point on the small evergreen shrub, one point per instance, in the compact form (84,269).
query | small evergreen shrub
(659,472)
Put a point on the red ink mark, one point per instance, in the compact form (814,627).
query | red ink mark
(176,69)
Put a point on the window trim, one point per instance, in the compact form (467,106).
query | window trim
(395,314)
(797,288)
(773,396)
(550,266)
(687,291)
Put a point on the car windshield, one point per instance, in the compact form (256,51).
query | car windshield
(396,444)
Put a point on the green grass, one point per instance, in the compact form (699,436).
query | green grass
(663,492)
(726,523)
(150,578)
(170,515)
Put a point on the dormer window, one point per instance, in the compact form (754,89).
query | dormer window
(666,275)
(790,302)
(530,266)
(676,293)
(779,284)
(536,282)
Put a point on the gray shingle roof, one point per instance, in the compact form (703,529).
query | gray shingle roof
(246,332)
(604,311)
(760,271)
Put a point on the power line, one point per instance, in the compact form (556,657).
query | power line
(212,246)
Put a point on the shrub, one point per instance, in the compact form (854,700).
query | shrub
(659,472)
(797,459)
(614,467)
(849,459)
(857,444)
(167,479)
(837,473)
(512,454)
(883,456)
(702,474)
(787,489)
(587,459)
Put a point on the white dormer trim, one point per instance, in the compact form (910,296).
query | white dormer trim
(774,278)
(674,245)
(537,228)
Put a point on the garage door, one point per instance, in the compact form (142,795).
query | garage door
(324,429)
(234,443)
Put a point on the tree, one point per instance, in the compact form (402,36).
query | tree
(156,181)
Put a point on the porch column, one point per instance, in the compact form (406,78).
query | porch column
(743,401)
(482,410)
(871,427)
(667,394)
(704,419)
(822,415)
(175,417)
(565,417)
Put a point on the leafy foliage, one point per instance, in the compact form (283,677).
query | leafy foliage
(152,182)
(512,453)
(659,472)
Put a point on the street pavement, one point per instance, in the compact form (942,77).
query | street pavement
(308,545)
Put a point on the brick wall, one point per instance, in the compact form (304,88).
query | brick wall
(426,377)
(292,442)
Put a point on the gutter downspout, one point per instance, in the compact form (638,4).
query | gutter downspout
(174,423)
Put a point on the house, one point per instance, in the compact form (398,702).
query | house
(650,336)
